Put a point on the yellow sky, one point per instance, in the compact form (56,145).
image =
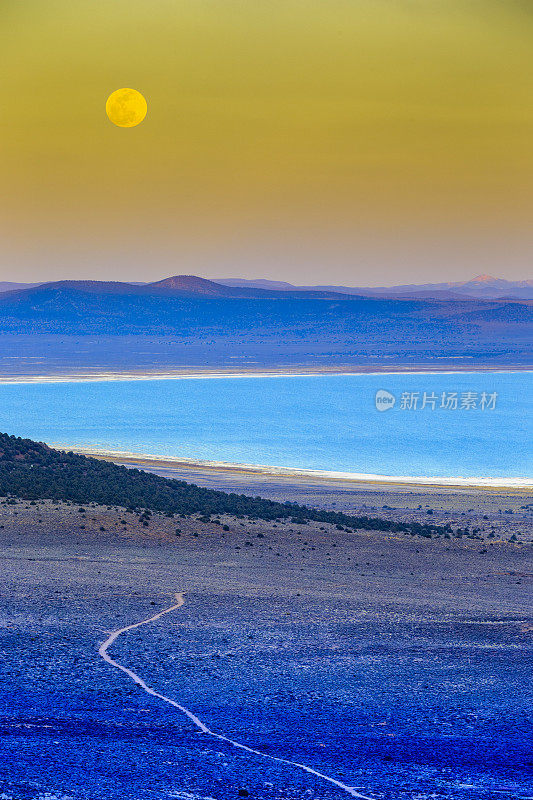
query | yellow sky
(282,136)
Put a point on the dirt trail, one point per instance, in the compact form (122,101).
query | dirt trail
(102,650)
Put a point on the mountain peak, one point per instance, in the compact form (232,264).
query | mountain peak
(484,279)
(184,282)
(199,287)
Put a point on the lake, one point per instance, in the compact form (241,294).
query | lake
(438,425)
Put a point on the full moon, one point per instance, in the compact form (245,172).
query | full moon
(126,108)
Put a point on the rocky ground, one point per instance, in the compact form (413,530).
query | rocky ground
(396,664)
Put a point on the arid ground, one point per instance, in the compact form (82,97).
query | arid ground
(398,665)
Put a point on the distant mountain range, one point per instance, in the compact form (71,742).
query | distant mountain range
(175,286)
(165,305)
(62,304)
(209,322)
(482,286)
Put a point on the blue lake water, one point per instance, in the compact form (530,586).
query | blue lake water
(310,422)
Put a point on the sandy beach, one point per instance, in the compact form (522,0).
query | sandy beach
(94,374)
(215,472)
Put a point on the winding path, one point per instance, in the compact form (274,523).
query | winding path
(102,650)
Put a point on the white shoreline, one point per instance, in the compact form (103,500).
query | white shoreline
(107,377)
(175,462)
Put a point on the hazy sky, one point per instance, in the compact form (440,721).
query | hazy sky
(354,141)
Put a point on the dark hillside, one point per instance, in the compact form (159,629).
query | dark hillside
(33,471)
